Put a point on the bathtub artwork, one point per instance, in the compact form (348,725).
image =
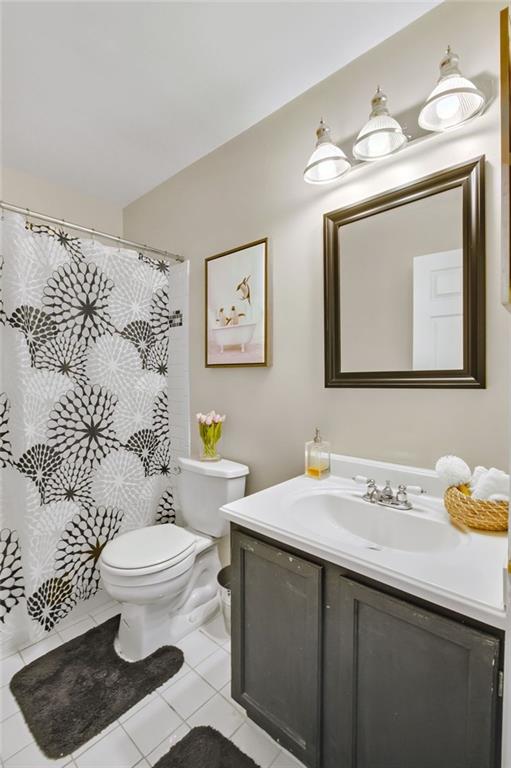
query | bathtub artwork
(236,306)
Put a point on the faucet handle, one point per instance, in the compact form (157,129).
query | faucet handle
(387,492)
(415,489)
(401,495)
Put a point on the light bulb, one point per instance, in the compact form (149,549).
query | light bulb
(381,135)
(327,162)
(453,100)
(447,107)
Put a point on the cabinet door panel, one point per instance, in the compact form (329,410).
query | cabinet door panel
(276,651)
(417,689)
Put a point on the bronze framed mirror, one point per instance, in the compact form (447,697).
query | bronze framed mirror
(404,285)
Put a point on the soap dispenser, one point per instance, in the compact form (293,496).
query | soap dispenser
(317,457)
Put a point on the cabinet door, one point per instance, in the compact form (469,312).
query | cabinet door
(417,689)
(276,646)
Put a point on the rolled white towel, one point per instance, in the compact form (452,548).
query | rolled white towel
(494,481)
(453,471)
(476,476)
(499,497)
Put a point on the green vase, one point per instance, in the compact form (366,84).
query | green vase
(210,435)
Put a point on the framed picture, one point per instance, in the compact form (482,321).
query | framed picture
(237,306)
(505,107)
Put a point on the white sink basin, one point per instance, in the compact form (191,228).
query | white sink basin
(340,513)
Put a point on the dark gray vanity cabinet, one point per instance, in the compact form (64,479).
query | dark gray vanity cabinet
(346,675)
(276,643)
(414,688)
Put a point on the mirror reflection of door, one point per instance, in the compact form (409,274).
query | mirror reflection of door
(438,311)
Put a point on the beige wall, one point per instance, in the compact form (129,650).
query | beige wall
(253,187)
(29,191)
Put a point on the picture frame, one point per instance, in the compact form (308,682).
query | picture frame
(236,307)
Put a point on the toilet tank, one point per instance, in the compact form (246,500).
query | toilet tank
(205,486)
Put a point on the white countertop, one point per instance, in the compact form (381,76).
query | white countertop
(467,579)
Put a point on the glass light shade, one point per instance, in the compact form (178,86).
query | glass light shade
(453,100)
(327,162)
(381,135)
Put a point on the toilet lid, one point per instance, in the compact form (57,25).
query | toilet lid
(144,547)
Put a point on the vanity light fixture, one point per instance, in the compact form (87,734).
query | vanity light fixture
(381,135)
(328,161)
(453,100)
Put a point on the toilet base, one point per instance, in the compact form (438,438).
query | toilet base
(145,628)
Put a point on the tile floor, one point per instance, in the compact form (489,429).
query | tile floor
(198,695)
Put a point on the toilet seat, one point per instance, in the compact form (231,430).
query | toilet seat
(150,550)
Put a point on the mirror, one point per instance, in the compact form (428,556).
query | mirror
(404,285)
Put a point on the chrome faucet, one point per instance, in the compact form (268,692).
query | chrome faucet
(385,496)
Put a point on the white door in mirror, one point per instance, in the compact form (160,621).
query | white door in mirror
(438,311)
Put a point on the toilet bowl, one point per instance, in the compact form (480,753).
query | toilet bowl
(165,575)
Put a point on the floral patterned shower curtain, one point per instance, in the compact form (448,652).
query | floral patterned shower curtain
(85,451)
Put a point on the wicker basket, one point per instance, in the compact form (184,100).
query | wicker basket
(476,513)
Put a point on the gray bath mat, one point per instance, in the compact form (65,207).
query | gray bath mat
(204,747)
(72,693)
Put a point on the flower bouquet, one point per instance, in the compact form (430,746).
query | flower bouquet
(210,430)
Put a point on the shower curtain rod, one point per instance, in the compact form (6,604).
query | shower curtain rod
(89,231)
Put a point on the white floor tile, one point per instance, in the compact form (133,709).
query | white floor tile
(139,705)
(178,676)
(32,757)
(9,667)
(151,724)
(286,760)
(15,735)
(116,750)
(82,626)
(215,629)
(8,704)
(256,744)
(95,739)
(219,714)
(106,613)
(226,693)
(216,669)
(7,647)
(167,744)
(196,647)
(32,652)
(188,694)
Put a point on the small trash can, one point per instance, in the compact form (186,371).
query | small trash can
(224,583)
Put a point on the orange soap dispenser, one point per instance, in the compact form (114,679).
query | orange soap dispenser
(317,457)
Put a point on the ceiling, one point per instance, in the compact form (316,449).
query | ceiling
(112,98)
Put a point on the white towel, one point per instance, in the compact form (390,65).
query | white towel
(494,481)
(499,497)
(476,476)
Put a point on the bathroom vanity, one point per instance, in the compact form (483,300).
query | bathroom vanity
(363,639)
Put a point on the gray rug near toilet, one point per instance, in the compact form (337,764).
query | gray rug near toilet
(72,693)
(203,747)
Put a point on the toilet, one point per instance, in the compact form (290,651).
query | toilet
(165,576)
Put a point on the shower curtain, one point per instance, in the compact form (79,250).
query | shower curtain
(85,449)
